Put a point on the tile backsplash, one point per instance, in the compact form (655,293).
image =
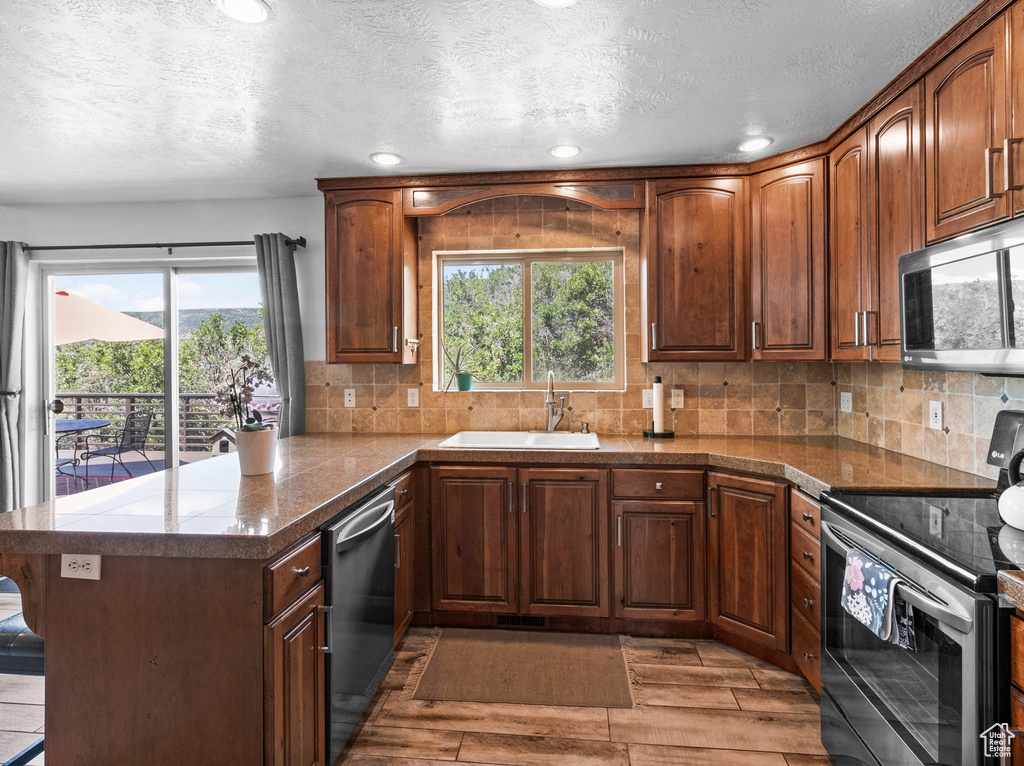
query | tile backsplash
(734,398)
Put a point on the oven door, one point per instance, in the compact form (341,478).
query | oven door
(909,708)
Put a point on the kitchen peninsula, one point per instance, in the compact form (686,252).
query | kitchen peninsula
(175,654)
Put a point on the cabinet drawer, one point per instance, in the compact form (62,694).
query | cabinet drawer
(403,490)
(806,593)
(654,484)
(807,649)
(291,575)
(805,512)
(805,551)
(1017,652)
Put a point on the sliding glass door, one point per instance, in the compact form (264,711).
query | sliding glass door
(134,364)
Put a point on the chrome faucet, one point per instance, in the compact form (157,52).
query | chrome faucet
(554,416)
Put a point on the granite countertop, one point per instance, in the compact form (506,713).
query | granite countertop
(1011,586)
(207,509)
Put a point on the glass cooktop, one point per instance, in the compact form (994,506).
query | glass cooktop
(963,532)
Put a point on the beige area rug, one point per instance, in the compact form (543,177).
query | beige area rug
(525,668)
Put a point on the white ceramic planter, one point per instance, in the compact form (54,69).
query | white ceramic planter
(257,451)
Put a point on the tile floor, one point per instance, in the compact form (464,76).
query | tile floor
(706,705)
(21,700)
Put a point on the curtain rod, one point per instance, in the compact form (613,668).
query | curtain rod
(298,242)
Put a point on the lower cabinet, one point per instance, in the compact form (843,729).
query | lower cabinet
(532,541)
(405,535)
(294,679)
(748,592)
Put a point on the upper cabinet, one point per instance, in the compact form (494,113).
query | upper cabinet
(787,250)
(895,214)
(849,248)
(371,278)
(695,270)
(967,136)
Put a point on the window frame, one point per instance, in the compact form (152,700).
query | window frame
(527,257)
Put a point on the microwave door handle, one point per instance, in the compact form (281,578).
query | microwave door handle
(930,606)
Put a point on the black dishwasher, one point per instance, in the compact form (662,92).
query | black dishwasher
(359,572)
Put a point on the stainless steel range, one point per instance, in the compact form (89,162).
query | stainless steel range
(882,705)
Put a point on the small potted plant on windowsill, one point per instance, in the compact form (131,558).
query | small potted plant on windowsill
(461,374)
(256,441)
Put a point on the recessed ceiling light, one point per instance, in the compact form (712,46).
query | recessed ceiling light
(755,143)
(249,11)
(555,3)
(563,151)
(385,158)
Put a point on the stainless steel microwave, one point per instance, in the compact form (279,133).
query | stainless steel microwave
(962,303)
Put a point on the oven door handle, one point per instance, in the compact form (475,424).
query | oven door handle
(915,598)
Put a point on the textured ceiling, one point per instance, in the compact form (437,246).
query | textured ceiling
(157,99)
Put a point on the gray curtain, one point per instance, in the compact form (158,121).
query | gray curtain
(275,259)
(13,288)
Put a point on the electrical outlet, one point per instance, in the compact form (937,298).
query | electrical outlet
(80,567)
(935,415)
(648,400)
(413,397)
(846,402)
(935,521)
(677,399)
(350,397)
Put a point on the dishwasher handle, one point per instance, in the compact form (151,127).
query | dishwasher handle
(364,523)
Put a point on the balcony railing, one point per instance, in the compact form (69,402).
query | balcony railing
(200,416)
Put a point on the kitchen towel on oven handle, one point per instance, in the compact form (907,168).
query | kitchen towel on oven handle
(869,595)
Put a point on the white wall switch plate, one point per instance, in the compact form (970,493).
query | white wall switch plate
(678,401)
(935,415)
(413,397)
(846,402)
(80,567)
(935,520)
(648,399)
(350,397)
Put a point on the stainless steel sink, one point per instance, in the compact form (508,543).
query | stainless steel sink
(521,440)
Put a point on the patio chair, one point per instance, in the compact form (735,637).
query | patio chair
(131,438)
(72,461)
(21,653)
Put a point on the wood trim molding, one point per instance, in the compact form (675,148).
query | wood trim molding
(977,18)
(29,572)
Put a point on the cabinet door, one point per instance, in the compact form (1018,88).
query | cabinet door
(787,251)
(659,560)
(294,676)
(405,535)
(1017,723)
(747,559)
(895,213)
(564,542)
(371,278)
(695,270)
(474,524)
(966,101)
(849,243)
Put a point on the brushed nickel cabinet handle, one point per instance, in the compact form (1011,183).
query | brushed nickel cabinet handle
(990,192)
(654,336)
(394,340)
(807,516)
(711,505)
(864,319)
(524,497)
(511,506)
(808,602)
(302,573)
(657,486)
(398,551)
(808,656)
(328,646)
(1008,145)
(619,532)
(753,332)
(856,329)
(809,556)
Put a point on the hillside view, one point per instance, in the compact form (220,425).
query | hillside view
(190,319)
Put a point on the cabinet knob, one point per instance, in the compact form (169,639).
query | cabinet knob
(808,556)
(808,516)
(808,602)
(403,492)
(657,486)
(302,573)
(808,656)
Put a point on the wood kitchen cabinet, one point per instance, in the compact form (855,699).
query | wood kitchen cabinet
(295,694)
(849,247)
(474,526)
(371,278)
(564,542)
(747,566)
(968,135)
(787,251)
(405,546)
(695,268)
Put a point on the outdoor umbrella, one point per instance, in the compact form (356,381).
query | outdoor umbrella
(76,319)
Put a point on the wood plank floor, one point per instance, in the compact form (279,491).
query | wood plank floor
(21,700)
(706,704)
